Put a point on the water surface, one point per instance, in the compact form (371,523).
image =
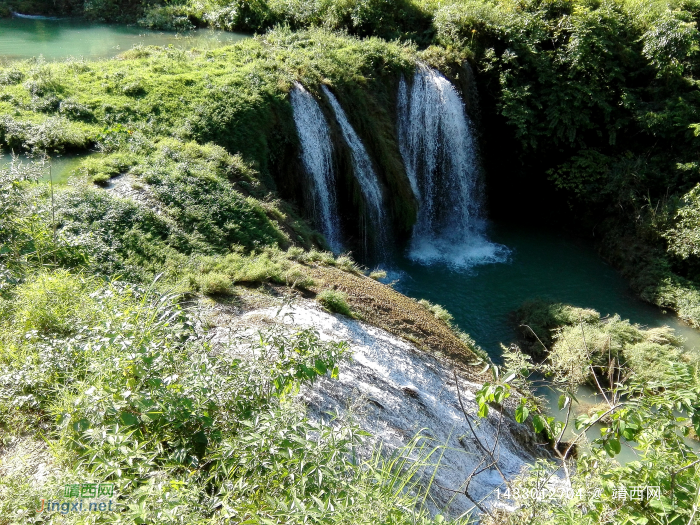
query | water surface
(22,38)
(57,169)
(545,264)
(542,264)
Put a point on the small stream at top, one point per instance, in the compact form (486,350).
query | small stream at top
(22,38)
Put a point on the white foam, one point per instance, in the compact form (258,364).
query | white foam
(438,147)
(473,251)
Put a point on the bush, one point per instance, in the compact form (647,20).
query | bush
(377,275)
(335,301)
(53,303)
(76,111)
(438,311)
(213,283)
(536,321)
(193,183)
(11,76)
(138,399)
(577,337)
(101,168)
(134,89)
(167,18)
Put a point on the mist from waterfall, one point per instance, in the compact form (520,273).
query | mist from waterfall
(317,157)
(367,179)
(439,152)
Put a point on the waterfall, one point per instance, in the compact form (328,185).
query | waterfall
(316,155)
(439,153)
(366,177)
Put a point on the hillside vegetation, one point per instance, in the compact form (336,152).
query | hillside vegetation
(589,114)
(596,103)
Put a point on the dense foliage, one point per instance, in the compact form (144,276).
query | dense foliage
(649,393)
(596,100)
(154,112)
(596,103)
(123,382)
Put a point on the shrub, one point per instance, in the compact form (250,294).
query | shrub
(377,275)
(335,301)
(577,337)
(542,317)
(53,303)
(101,168)
(438,311)
(76,111)
(11,77)
(134,89)
(214,283)
(139,399)
(167,18)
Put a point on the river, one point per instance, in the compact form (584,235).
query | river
(542,263)
(22,38)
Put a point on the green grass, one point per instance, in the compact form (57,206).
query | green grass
(335,301)
(568,338)
(187,124)
(438,311)
(135,396)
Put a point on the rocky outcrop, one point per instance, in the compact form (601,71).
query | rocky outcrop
(396,392)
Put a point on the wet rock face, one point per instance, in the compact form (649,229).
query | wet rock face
(394,391)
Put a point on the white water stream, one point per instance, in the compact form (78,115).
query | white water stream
(395,391)
(439,153)
(366,178)
(316,155)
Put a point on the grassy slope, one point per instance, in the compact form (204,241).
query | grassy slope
(137,397)
(235,97)
(596,100)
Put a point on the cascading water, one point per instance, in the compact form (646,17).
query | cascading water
(366,177)
(316,154)
(439,154)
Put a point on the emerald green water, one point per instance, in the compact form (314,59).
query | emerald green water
(542,263)
(59,39)
(57,169)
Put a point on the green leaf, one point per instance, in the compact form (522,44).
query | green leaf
(128,419)
(564,400)
(81,426)
(615,445)
(483,410)
(321,367)
(521,413)
(612,447)
(539,423)
(499,396)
